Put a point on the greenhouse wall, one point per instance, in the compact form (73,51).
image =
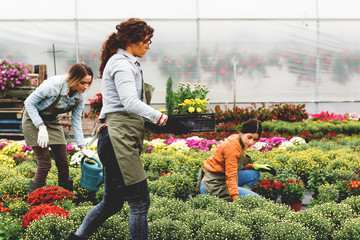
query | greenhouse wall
(303,51)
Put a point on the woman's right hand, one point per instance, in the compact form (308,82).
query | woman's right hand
(162,120)
(43,136)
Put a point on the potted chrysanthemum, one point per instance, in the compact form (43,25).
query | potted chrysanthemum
(293,193)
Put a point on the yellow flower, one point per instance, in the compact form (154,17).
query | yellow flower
(187,101)
(163,110)
(191,109)
(198,110)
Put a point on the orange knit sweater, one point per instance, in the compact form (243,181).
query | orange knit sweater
(225,159)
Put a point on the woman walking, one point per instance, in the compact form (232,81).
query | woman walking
(121,137)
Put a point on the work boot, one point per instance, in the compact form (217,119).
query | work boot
(72,236)
(34,185)
(67,185)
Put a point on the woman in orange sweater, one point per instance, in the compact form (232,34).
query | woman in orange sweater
(228,172)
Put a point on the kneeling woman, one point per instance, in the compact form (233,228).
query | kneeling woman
(228,173)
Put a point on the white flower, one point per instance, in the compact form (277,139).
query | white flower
(194,138)
(259,146)
(76,157)
(297,141)
(179,145)
(158,143)
(285,145)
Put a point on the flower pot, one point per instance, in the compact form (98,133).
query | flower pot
(296,206)
(185,123)
(20,92)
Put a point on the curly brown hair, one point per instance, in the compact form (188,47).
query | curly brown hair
(132,30)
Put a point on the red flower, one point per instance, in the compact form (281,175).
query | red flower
(48,195)
(38,211)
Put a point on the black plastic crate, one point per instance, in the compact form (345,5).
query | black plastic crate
(185,123)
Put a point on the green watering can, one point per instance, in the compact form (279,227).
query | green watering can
(91,174)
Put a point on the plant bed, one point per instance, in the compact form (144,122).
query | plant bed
(185,123)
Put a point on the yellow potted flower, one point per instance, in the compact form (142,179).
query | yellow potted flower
(187,109)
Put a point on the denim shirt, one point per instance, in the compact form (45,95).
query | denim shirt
(46,94)
(122,88)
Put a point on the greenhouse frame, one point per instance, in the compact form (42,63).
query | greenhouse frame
(244,51)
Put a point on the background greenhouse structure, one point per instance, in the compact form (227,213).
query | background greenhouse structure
(299,51)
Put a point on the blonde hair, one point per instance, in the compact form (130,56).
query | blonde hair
(77,72)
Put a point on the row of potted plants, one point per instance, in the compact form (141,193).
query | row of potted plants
(201,217)
(172,173)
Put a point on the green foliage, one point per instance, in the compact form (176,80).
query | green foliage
(169,99)
(26,169)
(166,228)
(319,225)
(10,227)
(184,94)
(353,202)
(316,178)
(286,230)
(16,204)
(78,214)
(49,227)
(15,186)
(280,111)
(249,203)
(175,185)
(334,175)
(203,201)
(350,229)
(113,228)
(168,207)
(255,220)
(5,173)
(341,187)
(222,229)
(336,213)
(293,191)
(326,193)
(196,218)
(161,165)
(67,204)
(100,194)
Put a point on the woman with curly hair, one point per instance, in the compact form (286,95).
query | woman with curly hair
(121,136)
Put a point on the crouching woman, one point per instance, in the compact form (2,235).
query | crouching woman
(228,173)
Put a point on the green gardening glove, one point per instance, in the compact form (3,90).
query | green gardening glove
(265,168)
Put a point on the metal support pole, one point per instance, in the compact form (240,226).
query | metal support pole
(198,42)
(76,32)
(317,74)
(54,57)
(234,71)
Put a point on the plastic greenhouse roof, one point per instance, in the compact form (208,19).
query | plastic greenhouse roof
(184,9)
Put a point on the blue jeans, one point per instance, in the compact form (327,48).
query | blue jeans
(115,194)
(247,177)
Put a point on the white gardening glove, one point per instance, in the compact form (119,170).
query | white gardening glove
(162,120)
(87,153)
(43,136)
